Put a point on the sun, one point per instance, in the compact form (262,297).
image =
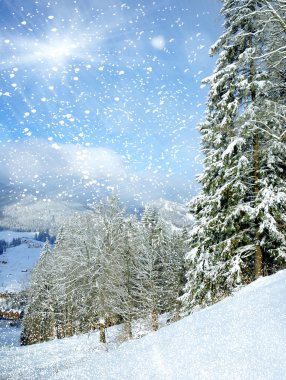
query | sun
(56,51)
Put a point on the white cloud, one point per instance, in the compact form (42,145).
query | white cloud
(24,160)
(67,171)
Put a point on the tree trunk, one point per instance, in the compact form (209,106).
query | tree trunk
(155,322)
(258,260)
(258,257)
(102,336)
(128,329)
(177,316)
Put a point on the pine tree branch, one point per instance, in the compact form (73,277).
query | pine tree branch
(275,14)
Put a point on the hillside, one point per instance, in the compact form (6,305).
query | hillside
(241,337)
(40,215)
(17,262)
(16,265)
(49,215)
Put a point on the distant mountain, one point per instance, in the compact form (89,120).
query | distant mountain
(35,215)
(173,213)
(49,214)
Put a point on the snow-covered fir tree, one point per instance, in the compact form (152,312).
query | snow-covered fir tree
(125,276)
(240,230)
(152,265)
(161,264)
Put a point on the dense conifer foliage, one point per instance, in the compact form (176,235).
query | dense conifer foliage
(240,233)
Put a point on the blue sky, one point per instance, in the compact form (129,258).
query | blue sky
(97,96)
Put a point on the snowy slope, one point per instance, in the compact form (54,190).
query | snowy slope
(17,262)
(8,235)
(242,337)
(9,335)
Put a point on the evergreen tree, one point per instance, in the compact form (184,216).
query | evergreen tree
(127,272)
(240,211)
(176,271)
(159,266)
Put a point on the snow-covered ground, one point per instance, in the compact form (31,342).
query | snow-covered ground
(9,334)
(17,262)
(8,235)
(15,267)
(241,337)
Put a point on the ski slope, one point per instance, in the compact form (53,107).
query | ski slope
(241,337)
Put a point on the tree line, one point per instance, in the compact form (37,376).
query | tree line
(106,268)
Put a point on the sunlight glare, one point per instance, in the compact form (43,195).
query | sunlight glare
(56,52)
